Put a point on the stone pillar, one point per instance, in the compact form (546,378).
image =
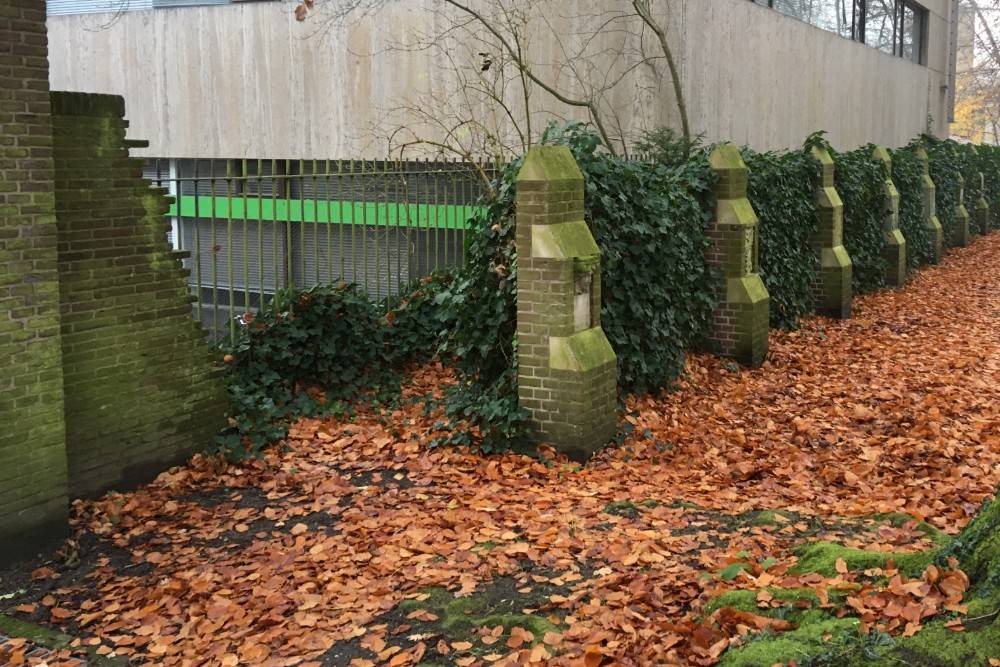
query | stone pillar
(960,237)
(934,231)
(33,501)
(740,324)
(982,208)
(832,289)
(567,374)
(894,249)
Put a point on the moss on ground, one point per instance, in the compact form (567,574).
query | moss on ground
(822,640)
(821,557)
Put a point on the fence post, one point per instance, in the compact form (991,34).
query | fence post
(894,249)
(740,322)
(567,371)
(832,287)
(960,237)
(982,207)
(934,231)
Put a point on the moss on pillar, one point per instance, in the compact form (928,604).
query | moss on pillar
(935,232)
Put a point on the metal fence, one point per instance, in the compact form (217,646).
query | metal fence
(253,227)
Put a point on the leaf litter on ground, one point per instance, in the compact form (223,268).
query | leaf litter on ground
(282,560)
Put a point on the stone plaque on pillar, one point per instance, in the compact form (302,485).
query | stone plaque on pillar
(567,374)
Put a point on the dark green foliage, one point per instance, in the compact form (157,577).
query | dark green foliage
(482,408)
(908,175)
(966,161)
(989,165)
(665,146)
(944,173)
(649,221)
(781,188)
(860,179)
(415,322)
(309,352)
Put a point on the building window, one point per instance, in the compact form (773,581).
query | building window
(893,26)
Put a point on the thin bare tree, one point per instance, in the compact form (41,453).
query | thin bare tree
(490,48)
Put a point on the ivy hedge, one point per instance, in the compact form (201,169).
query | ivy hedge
(989,165)
(908,175)
(944,172)
(321,350)
(781,188)
(859,181)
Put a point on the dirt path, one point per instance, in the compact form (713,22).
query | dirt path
(357,547)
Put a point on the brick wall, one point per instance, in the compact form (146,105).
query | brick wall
(140,394)
(32,460)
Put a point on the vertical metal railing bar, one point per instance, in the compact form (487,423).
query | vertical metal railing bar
(289,238)
(276,250)
(242,191)
(229,249)
(197,243)
(215,250)
(354,223)
(315,212)
(329,223)
(437,217)
(388,229)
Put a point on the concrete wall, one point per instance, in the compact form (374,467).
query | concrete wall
(248,81)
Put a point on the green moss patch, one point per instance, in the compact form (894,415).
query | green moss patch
(821,557)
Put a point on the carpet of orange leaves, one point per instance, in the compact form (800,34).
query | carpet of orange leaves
(894,410)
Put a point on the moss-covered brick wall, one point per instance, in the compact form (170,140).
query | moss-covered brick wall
(32,460)
(140,393)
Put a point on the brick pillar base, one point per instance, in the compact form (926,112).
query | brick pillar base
(740,323)
(567,371)
(832,289)
(935,233)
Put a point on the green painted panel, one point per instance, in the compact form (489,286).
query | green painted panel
(423,216)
